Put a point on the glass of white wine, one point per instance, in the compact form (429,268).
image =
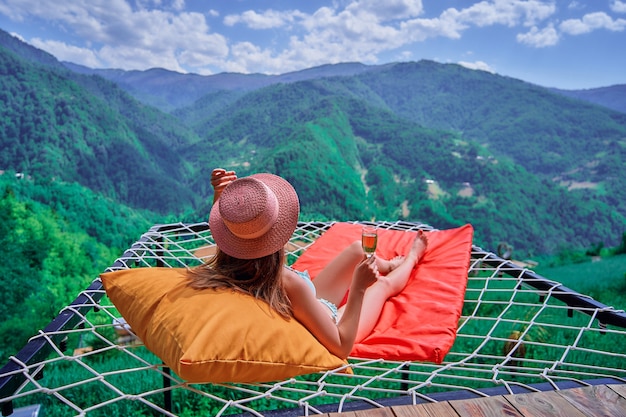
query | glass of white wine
(369,238)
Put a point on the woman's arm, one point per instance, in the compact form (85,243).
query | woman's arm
(337,338)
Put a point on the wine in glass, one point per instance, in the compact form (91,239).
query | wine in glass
(369,238)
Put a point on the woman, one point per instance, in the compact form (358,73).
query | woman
(251,221)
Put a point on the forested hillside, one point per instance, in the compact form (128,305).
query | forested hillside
(168,90)
(612,97)
(546,133)
(85,169)
(56,237)
(352,160)
(85,129)
(439,143)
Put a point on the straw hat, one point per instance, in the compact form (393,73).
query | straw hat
(255,216)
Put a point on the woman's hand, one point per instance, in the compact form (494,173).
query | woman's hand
(220,178)
(365,274)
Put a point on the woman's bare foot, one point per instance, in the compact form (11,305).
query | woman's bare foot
(385,266)
(418,248)
(397,278)
(420,243)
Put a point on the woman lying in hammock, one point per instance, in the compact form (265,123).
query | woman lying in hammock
(251,221)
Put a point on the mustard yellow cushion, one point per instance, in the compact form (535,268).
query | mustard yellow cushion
(213,336)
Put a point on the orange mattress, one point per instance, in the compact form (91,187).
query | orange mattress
(420,323)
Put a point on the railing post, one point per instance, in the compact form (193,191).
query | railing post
(167,381)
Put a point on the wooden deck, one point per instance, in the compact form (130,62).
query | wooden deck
(592,401)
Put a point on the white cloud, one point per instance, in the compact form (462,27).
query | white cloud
(477,65)
(576,5)
(132,58)
(140,34)
(418,30)
(178,5)
(591,22)
(387,10)
(504,12)
(452,22)
(70,53)
(368,9)
(365,28)
(326,36)
(618,6)
(268,19)
(120,37)
(405,56)
(547,36)
(246,56)
(18,36)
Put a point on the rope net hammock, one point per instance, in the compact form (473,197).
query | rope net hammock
(518,333)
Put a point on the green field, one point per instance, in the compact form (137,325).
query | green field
(604,279)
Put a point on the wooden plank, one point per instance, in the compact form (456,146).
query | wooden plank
(374,412)
(410,411)
(619,388)
(543,404)
(598,400)
(592,401)
(485,407)
(442,409)
(370,412)
(439,409)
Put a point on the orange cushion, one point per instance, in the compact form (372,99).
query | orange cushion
(213,336)
(420,323)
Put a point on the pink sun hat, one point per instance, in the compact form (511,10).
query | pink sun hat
(255,216)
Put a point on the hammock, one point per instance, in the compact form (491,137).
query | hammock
(518,332)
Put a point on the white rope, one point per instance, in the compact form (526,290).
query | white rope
(546,345)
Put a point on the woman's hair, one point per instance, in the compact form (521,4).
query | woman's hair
(259,277)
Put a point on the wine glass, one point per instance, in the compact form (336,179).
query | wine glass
(369,238)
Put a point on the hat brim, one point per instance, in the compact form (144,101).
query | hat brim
(278,234)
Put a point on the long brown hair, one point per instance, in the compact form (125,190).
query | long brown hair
(259,277)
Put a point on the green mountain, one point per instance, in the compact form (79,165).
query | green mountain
(434,142)
(56,238)
(351,159)
(84,129)
(85,169)
(543,131)
(571,142)
(169,90)
(612,97)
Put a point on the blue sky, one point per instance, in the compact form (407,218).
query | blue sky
(571,44)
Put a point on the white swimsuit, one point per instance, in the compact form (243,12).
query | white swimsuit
(331,306)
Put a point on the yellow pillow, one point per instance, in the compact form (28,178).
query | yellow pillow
(213,336)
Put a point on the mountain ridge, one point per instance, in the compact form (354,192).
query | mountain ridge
(267,133)
(58,124)
(612,97)
(140,83)
(170,90)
